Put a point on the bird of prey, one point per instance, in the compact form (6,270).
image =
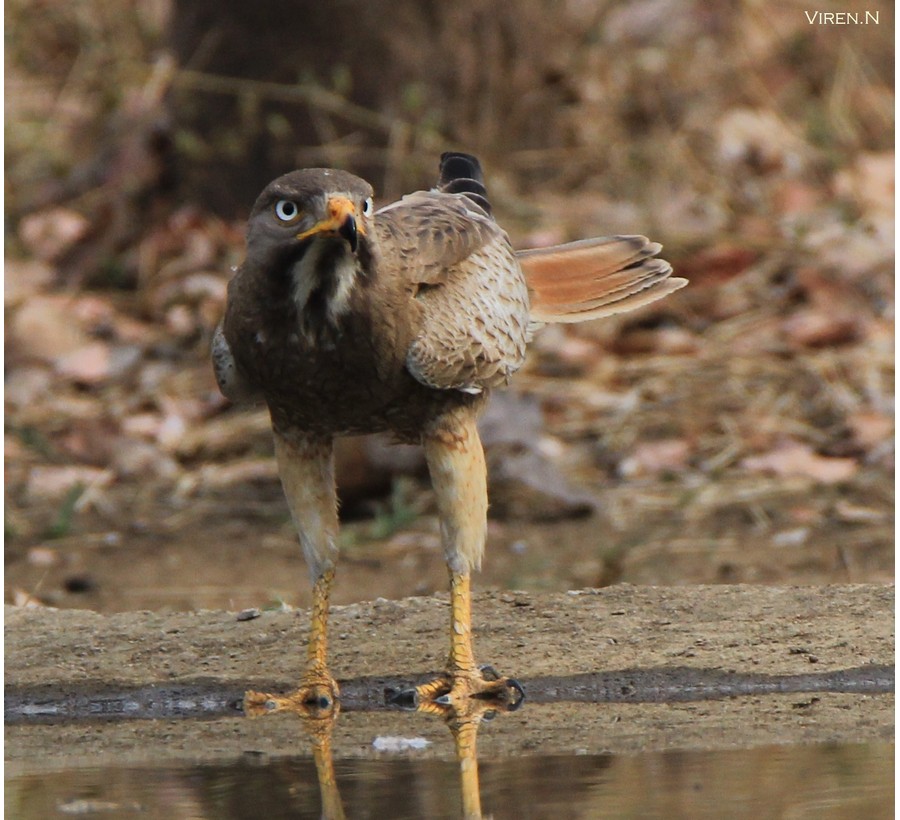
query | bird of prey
(346,320)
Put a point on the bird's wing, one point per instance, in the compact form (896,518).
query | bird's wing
(468,287)
(232,383)
(595,278)
(425,234)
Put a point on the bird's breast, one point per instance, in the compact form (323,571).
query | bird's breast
(345,377)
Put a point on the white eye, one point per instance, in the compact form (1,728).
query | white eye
(368,207)
(286,210)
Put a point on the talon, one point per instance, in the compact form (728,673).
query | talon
(485,687)
(404,698)
(317,696)
(488,672)
(513,684)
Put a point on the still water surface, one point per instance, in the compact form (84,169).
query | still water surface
(817,781)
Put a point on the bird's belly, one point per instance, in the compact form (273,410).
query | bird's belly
(333,397)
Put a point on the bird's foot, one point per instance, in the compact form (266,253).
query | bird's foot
(316,697)
(461,690)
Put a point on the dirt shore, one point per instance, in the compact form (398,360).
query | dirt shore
(629,635)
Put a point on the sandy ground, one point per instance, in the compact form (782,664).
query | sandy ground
(649,665)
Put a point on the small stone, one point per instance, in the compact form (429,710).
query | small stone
(42,557)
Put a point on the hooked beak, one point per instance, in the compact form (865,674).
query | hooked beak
(341,221)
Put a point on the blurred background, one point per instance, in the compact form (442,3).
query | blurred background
(739,431)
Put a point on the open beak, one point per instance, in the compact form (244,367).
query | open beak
(341,221)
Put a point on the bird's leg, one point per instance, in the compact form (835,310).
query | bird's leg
(456,463)
(306,467)
(321,687)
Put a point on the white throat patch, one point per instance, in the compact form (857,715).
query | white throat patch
(306,279)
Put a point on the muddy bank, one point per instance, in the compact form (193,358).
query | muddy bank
(708,668)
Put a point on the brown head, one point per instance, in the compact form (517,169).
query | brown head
(299,208)
(309,235)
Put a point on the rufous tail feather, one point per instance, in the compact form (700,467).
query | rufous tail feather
(593,278)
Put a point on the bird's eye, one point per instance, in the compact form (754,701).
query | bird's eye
(286,210)
(368,207)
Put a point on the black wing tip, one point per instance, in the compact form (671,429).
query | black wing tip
(461,174)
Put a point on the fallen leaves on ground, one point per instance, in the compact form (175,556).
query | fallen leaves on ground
(792,458)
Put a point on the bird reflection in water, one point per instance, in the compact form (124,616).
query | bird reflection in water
(462,717)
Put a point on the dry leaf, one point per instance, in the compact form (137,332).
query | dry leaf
(870,181)
(240,472)
(847,511)
(134,458)
(870,427)
(813,327)
(89,364)
(651,458)
(42,328)
(761,139)
(24,278)
(43,557)
(98,362)
(22,598)
(27,385)
(51,483)
(716,264)
(795,459)
(50,233)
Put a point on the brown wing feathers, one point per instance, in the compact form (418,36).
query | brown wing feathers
(595,277)
(581,280)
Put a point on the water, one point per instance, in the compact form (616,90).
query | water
(182,751)
(815,781)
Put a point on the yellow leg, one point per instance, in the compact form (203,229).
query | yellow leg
(318,691)
(317,686)
(461,662)
(462,659)
(306,467)
(464,679)
(317,648)
(456,462)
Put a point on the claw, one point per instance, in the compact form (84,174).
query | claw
(317,697)
(404,698)
(484,685)
(488,672)
(513,705)
(511,700)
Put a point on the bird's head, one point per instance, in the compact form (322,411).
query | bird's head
(309,238)
(321,207)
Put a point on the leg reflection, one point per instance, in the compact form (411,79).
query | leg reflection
(318,723)
(463,719)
